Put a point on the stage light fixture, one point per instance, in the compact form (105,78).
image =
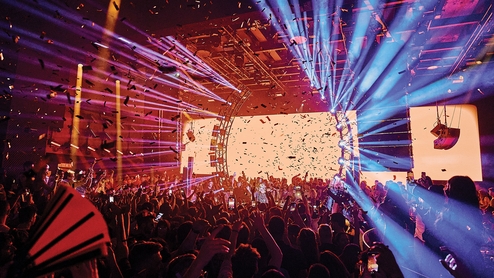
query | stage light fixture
(341,161)
(342,144)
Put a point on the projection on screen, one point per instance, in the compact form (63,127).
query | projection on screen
(278,145)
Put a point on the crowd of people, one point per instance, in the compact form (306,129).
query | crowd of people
(161,226)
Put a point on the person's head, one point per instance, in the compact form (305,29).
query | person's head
(340,240)
(145,226)
(293,230)
(243,235)
(462,189)
(276,227)
(350,256)
(308,244)
(318,270)
(162,228)
(27,215)
(145,256)
(272,273)
(491,191)
(334,264)
(338,222)
(179,265)
(260,245)
(325,234)
(28,165)
(69,175)
(183,230)
(244,261)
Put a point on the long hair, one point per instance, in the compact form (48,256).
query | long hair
(462,189)
(308,244)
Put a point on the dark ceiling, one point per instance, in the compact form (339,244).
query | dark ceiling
(247,49)
(251,49)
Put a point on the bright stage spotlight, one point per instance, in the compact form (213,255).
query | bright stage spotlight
(342,144)
(339,126)
(341,161)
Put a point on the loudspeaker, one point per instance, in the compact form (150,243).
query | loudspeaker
(447,138)
(436,131)
(191,136)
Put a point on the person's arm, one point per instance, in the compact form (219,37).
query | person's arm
(356,224)
(198,228)
(113,265)
(274,249)
(121,248)
(271,201)
(210,247)
(226,270)
(296,218)
(308,208)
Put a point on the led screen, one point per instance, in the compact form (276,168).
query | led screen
(278,145)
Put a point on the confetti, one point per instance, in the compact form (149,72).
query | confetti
(173,150)
(41,63)
(68,97)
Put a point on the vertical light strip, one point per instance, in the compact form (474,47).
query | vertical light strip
(119,131)
(74,136)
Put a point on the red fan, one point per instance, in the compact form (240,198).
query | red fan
(71,231)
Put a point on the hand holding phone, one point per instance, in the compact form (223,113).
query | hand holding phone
(372,265)
(231,203)
(293,206)
(158,217)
